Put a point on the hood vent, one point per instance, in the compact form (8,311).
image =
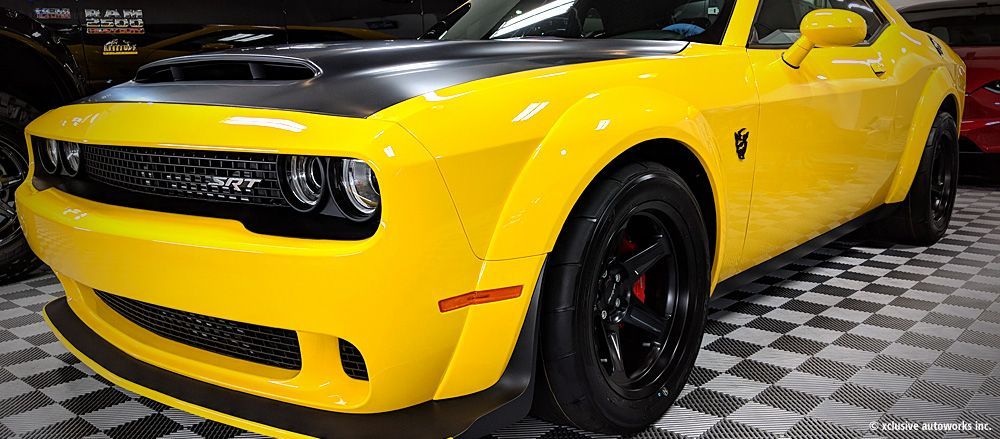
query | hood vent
(219,68)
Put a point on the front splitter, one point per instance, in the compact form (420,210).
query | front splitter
(470,416)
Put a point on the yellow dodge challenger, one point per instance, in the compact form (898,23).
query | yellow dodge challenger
(527,209)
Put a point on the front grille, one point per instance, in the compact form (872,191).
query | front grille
(187,173)
(352,361)
(259,344)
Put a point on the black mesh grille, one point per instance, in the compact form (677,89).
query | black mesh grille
(248,178)
(353,362)
(259,344)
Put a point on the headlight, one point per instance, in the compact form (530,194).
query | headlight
(50,156)
(304,181)
(71,157)
(360,186)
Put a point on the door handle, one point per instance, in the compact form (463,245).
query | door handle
(878,68)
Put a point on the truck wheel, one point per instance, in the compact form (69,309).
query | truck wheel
(923,217)
(624,299)
(16,258)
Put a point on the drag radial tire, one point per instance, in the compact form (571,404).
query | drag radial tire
(623,302)
(923,217)
(16,259)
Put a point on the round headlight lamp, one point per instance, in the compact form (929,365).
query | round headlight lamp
(50,156)
(71,157)
(360,187)
(304,180)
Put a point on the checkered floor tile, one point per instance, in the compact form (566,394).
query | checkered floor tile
(855,333)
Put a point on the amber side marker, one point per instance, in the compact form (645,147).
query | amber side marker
(478,297)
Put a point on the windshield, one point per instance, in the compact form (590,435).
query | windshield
(702,21)
(965,28)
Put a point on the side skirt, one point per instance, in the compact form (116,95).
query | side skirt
(794,254)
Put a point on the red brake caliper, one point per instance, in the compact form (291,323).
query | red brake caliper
(639,287)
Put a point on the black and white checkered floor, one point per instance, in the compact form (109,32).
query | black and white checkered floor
(852,334)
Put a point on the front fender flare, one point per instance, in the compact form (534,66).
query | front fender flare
(585,139)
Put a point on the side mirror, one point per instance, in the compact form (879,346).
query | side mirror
(825,28)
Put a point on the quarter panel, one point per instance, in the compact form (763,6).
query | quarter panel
(932,77)
(927,103)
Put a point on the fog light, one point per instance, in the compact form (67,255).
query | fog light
(50,156)
(71,157)
(360,186)
(304,181)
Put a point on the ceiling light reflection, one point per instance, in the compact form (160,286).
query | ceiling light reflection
(281,124)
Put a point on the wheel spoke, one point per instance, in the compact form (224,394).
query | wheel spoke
(645,259)
(6,211)
(11,181)
(936,191)
(640,316)
(613,340)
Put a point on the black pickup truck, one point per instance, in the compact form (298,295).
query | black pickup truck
(56,51)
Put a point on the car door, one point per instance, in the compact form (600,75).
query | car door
(825,128)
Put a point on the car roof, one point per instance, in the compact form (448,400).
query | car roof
(948,4)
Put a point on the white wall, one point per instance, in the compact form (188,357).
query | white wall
(903,3)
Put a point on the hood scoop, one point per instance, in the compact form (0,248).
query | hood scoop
(227,68)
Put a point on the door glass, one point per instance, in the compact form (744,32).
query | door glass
(777,22)
(703,21)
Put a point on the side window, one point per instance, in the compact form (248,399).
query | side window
(777,22)
(701,21)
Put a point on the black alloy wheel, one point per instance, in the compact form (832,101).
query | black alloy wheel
(13,171)
(16,258)
(637,296)
(623,302)
(944,166)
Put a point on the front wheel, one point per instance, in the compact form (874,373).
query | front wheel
(16,258)
(624,299)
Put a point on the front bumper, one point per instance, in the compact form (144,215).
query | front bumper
(470,416)
(380,294)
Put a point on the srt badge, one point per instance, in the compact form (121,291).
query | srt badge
(235,183)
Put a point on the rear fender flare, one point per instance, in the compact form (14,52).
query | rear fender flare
(938,88)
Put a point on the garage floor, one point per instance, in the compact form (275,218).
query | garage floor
(852,334)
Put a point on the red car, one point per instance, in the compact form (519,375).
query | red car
(972,29)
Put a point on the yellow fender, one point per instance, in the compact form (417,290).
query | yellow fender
(579,145)
(935,92)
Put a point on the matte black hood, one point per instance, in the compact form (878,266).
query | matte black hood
(356,79)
